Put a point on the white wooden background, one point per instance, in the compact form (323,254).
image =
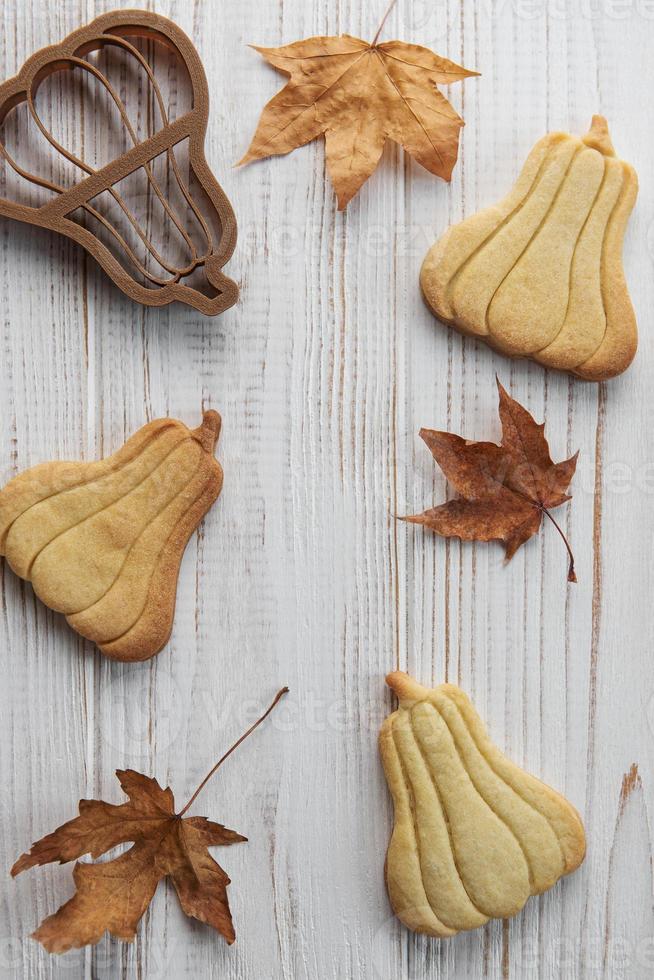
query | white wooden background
(324,373)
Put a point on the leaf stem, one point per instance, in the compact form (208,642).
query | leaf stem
(277,698)
(571,566)
(383,21)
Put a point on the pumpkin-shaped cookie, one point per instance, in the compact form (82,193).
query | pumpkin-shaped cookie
(102,542)
(540,274)
(474,834)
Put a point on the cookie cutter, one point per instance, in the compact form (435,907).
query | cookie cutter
(121,28)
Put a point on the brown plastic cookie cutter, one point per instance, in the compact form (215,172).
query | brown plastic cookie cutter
(92,205)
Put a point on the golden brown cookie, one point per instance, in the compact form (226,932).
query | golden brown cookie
(102,542)
(474,835)
(539,274)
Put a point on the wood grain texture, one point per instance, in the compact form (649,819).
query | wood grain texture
(323,374)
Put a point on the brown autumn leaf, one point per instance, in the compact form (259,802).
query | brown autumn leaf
(113,895)
(357,95)
(504,490)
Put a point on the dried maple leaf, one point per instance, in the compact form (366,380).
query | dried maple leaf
(503,490)
(357,95)
(113,895)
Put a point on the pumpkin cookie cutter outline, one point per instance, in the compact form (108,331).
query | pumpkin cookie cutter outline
(116,28)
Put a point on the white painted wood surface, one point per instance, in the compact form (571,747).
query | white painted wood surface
(324,373)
